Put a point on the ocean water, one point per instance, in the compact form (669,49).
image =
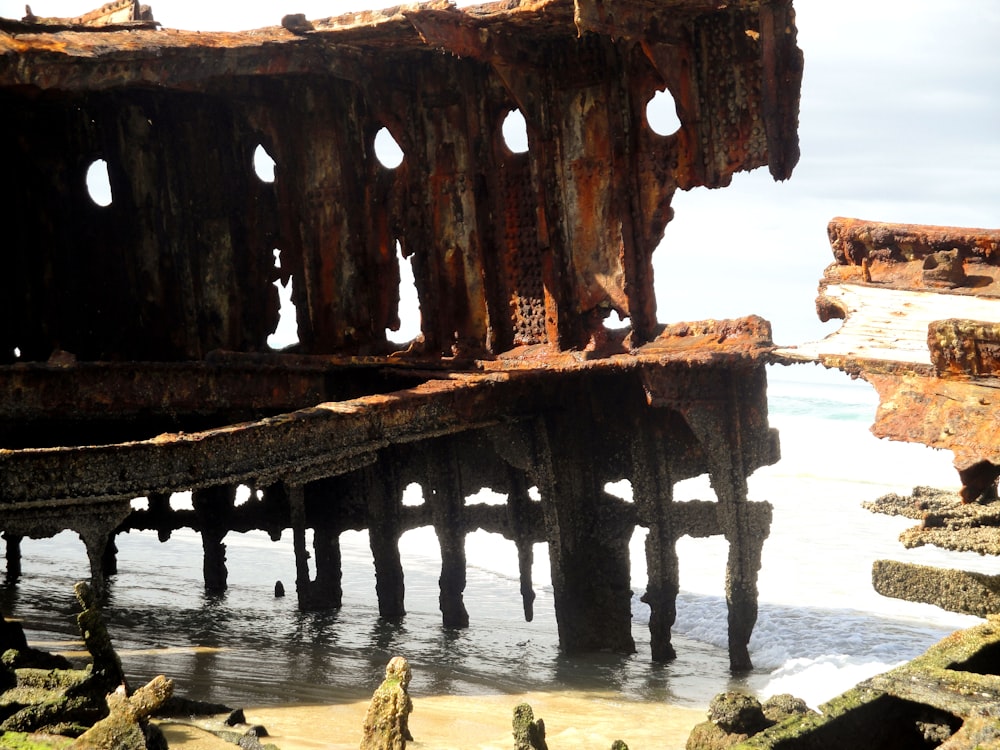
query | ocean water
(821,626)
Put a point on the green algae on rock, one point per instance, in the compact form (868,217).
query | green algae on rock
(386,724)
(529,734)
(127,727)
(26,741)
(947,697)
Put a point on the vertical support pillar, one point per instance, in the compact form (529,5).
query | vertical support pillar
(588,544)
(742,567)
(380,486)
(519,506)
(731,430)
(213,507)
(452,580)
(443,490)
(323,592)
(96,541)
(159,513)
(297,509)
(653,491)
(97,531)
(327,591)
(731,463)
(12,551)
(109,560)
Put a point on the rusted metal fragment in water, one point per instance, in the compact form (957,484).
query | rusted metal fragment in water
(954,590)
(921,311)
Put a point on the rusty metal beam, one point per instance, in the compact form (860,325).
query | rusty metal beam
(333,437)
(322,440)
(853,240)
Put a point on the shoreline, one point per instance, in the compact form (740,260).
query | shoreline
(579,720)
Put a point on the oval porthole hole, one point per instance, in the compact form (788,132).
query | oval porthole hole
(99,183)
(263,164)
(515,132)
(661,113)
(387,150)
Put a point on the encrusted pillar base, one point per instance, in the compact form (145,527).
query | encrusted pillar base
(12,552)
(327,587)
(588,532)
(213,507)
(444,493)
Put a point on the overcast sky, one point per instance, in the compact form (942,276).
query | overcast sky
(900,121)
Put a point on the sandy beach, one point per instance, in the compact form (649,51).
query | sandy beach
(572,720)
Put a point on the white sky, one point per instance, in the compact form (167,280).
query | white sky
(900,121)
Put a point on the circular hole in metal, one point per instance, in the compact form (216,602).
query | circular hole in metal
(661,113)
(515,132)
(99,183)
(387,151)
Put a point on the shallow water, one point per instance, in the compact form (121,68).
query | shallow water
(821,627)
(248,647)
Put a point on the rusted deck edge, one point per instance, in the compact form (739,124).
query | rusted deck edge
(332,437)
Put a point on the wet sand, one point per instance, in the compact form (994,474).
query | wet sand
(581,721)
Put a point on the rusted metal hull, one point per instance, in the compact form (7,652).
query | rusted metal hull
(921,307)
(133,335)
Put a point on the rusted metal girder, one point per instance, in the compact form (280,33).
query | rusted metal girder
(324,438)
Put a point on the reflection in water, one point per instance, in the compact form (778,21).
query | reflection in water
(248,647)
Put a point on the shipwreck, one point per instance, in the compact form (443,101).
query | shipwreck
(133,340)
